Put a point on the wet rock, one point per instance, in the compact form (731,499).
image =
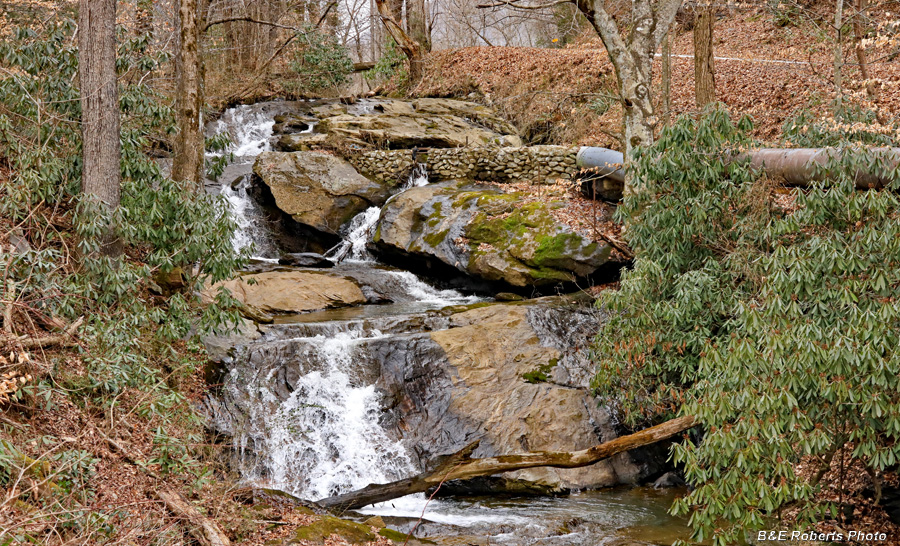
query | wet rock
(305,259)
(669,479)
(290,291)
(487,234)
(508,296)
(318,190)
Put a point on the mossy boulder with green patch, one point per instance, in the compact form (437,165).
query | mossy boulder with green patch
(320,530)
(488,234)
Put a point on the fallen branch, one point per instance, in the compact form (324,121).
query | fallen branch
(65,339)
(205,530)
(460,465)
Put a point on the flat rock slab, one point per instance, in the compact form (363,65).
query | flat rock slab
(291,291)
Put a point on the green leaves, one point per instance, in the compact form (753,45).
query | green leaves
(776,327)
(322,62)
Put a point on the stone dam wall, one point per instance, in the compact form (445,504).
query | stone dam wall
(538,164)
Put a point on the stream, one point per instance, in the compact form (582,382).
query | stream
(311,408)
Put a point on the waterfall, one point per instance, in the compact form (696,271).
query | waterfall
(361,228)
(325,438)
(251,131)
(358,232)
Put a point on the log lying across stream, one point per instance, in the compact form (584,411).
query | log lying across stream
(461,466)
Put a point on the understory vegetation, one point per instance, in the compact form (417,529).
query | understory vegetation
(123,321)
(768,314)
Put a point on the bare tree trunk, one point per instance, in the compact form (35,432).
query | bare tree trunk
(632,59)
(838,51)
(417,20)
(460,465)
(101,172)
(410,47)
(187,164)
(667,79)
(858,34)
(704,70)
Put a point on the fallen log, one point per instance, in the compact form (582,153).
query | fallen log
(460,466)
(206,531)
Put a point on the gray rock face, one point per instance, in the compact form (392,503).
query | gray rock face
(486,233)
(451,377)
(305,259)
(318,190)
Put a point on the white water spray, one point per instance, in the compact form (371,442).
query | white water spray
(325,438)
(251,132)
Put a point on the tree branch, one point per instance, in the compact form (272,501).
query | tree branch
(460,465)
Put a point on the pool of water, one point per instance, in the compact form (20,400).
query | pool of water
(620,516)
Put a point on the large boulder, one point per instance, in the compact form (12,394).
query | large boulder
(408,130)
(318,190)
(505,392)
(486,233)
(291,291)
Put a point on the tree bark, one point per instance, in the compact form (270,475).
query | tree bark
(633,63)
(187,165)
(704,70)
(838,52)
(417,21)
(858,34)
(410,47)
(101,172)
(460,466)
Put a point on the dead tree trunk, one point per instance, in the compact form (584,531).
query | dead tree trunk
(460,466)
(858,34)
(101,171)
(411,48)
(704,70)
(187,165)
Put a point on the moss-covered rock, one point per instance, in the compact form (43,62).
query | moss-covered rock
(320,530)
(487,233)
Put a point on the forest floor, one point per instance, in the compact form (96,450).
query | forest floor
(766,71)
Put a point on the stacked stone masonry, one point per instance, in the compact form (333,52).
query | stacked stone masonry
(538,164)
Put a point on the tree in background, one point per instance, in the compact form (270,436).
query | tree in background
(187,163)
(704,67)
(631,53)
(101,178)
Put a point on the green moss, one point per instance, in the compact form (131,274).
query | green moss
(318,531)
(553,248)
(434,239)
(541,374)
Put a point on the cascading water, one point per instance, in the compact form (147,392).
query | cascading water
(251,131)
(362,227)
(308,414)
(324,438)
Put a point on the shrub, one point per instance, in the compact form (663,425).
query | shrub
(776,326)
(322,63)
